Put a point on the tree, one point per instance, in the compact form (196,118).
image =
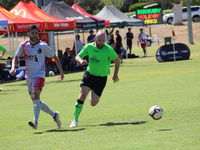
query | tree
(116,3)
(9,4)
(90,6)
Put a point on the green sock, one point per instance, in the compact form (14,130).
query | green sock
(78,108)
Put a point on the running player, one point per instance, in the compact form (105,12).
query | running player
(94,79)
(35,52)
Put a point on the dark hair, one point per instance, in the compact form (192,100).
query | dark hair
(78,36)
(32,27)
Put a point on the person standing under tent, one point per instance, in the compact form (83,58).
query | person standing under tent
(129,39)
(35,52)
(79,44)
(94,79)
(107,35)
(118,45)
(142,37)
(91,37)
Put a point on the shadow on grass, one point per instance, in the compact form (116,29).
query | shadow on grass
(46,82)
(60,130)
(108,124)
(123,123)
(165,130)
(5,91)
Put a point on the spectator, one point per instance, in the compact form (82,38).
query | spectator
(118,45)
(107,35)
(72,62)
(129,38)
(142,39)
(91,37)
(112,41)
(66,59)
(79,44)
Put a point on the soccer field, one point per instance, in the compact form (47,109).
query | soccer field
(120,121)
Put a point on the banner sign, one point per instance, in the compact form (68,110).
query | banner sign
(173,52)
(150,15)
(3,25)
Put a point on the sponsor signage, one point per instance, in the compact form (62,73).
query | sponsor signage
(3,25)
(150,15)
(173,52)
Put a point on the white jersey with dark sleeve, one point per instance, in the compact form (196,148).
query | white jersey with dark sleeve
(35,57)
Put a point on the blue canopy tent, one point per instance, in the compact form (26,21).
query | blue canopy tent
(4,30)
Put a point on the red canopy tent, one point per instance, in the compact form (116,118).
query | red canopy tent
(30,10)
(80,10)
(16,23)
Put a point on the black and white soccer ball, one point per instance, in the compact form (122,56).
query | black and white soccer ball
(156,112)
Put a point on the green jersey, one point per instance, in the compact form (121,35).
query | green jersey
(1,48)
(99,59)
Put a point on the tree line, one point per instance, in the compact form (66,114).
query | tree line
(94,6)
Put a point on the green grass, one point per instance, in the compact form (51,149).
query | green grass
(120,121)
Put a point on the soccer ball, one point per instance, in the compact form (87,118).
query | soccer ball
(51,73)
(156,112)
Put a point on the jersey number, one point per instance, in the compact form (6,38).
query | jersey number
(36,58)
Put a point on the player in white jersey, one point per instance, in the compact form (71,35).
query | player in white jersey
(142,39)
(35,52)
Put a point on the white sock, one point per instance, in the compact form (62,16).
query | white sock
(44,107)
(36,104)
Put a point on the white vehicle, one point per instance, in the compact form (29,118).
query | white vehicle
(195,13)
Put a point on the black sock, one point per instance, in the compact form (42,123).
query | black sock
(80,102)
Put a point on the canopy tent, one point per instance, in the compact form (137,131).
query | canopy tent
(30,10)
(4,29)
(80,10)
(63,11)
(117,18)
(15,23)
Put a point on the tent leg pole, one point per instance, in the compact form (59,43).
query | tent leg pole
(10,47)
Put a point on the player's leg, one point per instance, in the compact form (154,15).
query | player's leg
(35,86)
(97,89)
(38,85)
(130,47)
(94,98)
(84,90)
(144,49)
(55,115)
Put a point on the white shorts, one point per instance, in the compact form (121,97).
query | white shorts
(36,83)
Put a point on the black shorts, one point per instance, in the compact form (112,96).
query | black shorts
(96,83)
(129,45)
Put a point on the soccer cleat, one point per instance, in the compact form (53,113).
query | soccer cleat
(32,124)
(74,124)
(56,118)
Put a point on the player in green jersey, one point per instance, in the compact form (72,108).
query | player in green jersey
(94,79)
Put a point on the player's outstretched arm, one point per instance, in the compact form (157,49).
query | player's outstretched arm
(14,64)
(57,61)
(116,70)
